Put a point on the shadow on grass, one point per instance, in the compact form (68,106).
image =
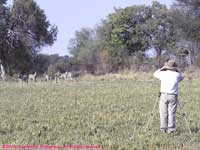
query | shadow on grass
(195,129)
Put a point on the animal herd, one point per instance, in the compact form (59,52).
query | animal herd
(34,77)
(57,76)
(46,77)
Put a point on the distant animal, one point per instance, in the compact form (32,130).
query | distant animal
(32,77)
(57,76)
(66,75)
(47,77)
(69,75)
(62,76)
(23,78)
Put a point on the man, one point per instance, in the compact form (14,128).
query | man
(169,77)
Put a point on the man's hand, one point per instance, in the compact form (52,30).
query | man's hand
(162,68)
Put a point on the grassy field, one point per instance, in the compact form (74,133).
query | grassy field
(110,111)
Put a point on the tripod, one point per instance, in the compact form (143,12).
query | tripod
(150,120)
(151,114)
(184,116)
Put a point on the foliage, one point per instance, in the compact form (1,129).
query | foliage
(162,30)
(129,28)
(124,34)
(84,49)
(26,31)
(186,15)
(4,16)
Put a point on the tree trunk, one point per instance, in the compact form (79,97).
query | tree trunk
(158,58)
(3,74)
(190,58)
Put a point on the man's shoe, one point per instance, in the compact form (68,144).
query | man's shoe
(170,132)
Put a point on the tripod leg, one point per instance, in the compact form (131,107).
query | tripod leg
(184,116)
(151,116)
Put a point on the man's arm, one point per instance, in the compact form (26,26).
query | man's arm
(157,73)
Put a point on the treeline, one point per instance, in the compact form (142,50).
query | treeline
(136,37)
(127,37)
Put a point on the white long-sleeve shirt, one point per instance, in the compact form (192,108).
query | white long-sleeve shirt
(169,81)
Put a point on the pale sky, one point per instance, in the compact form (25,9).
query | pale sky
(72,15)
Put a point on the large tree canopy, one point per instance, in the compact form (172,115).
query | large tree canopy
(29,24)
(26,30)
(186,15)
(138,28)
(129,29)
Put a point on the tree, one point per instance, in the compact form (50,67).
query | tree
(187,19)
(27,30)
(138,28)
(41,63)
(193,4)
(82,40)
(4,15)
(84,49)
(187,14)
(161,30)
(129,31)
(123,35)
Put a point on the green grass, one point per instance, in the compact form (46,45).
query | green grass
(107,111)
